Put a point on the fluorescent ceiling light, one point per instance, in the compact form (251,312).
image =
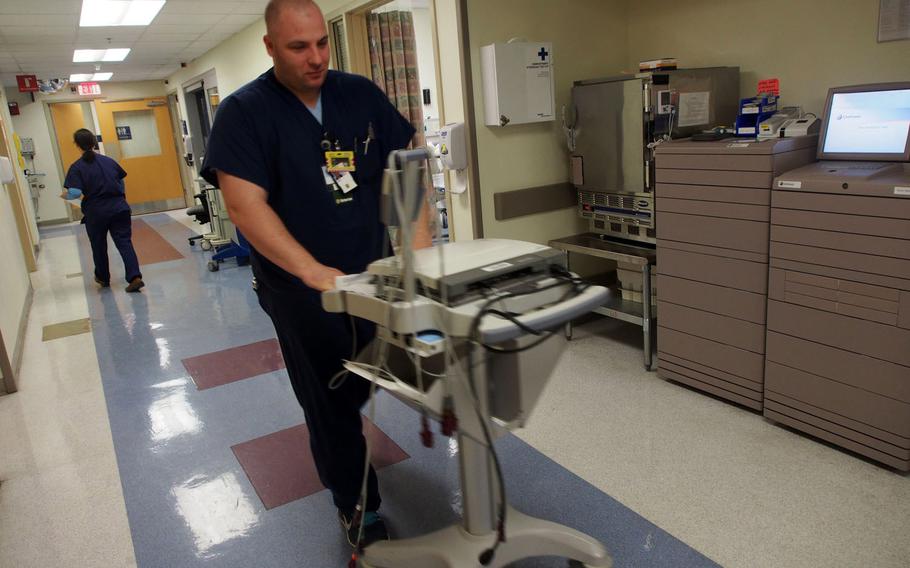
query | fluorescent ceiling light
(83,77)
(85,55)
(119,12)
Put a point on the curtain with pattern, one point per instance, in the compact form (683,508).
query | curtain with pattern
(393,63)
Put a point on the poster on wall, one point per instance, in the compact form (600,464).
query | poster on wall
(124,133)
(893,20)
(13,108)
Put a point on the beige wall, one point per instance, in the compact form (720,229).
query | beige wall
(451,99)
(14,279)
(32,223)
(32,123)
(588,41)
(240,59)
(809,44)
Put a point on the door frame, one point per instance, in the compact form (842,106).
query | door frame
(177,124)
(358,58)
(8,382)
(28,243)
(203,81)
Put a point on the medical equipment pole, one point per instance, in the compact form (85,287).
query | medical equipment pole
(477,476)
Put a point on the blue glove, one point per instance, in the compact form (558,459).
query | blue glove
(73,193)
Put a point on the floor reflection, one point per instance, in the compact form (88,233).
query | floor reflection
(215,510)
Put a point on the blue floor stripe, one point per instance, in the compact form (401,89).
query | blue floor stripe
(188,500)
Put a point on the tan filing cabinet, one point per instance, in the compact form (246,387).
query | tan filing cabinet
(838,355)
(713,210)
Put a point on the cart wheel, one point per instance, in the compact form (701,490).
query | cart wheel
(213,266)
(192,242)
(206,245)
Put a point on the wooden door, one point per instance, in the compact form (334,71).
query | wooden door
(138,135)
(68,118)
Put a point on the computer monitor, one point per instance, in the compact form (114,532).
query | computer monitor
(867,123)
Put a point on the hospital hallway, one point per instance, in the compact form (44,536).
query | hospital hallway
(159,430)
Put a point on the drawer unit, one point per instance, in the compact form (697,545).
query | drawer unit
(714,299)
(713,203)
(736,234)
(733,273)
(837,363)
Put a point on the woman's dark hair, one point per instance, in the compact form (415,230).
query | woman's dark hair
(85,139)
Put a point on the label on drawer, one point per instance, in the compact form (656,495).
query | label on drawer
(790,184)
(902,191)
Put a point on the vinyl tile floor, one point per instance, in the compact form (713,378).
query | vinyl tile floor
(111,455)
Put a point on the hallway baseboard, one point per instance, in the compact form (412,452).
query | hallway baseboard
(16,359)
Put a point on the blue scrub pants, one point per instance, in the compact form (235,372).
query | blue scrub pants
(120,226)
(313,343)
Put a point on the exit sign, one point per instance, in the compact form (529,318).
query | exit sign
(89,89)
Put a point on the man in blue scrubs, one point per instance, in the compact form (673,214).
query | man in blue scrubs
(272,144)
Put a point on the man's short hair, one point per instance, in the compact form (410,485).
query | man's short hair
(274,7)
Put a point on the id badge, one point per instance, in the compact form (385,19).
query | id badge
(347,183)
(340,161)
(340,184)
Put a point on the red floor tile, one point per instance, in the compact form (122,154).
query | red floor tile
(280,465)
(150,246)
(234,364)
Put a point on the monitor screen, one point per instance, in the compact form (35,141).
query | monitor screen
(870,123)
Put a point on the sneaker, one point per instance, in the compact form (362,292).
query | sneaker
(135,285)
(374,528)
(102,283)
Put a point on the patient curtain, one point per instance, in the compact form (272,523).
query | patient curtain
(393,62)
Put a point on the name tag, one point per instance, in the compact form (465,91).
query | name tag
(347,183)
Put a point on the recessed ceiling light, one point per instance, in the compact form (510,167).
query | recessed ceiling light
(119,12)
(83,77)
(86,55)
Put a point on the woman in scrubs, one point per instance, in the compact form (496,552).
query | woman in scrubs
(104,209)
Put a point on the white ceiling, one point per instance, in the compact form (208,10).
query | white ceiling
(37,37)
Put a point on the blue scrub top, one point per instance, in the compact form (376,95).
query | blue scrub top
(101,182)
(265,135)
